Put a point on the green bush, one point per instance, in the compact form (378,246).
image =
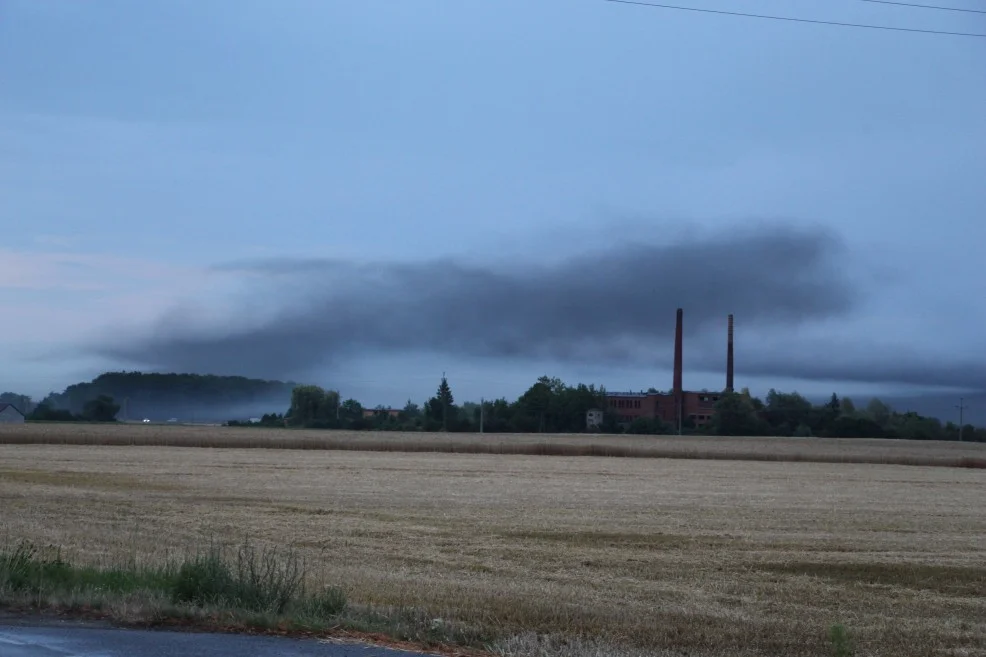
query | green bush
(204,579)
(263,581)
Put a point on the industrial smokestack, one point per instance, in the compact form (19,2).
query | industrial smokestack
(678,397)
(729,356)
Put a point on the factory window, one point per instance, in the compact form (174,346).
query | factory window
(636,404)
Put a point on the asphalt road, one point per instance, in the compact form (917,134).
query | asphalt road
(87,640)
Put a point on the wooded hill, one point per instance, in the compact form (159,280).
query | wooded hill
(187,397)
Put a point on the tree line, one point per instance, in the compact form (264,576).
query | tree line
(791,414)
(548,406)
(551,406)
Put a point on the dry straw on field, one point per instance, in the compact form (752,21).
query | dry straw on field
(887,452)
(557,556)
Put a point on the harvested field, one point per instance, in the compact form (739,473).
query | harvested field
(647,556)
(817,450)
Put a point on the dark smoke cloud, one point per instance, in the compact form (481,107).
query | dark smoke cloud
(830,360)
(596,307)
(866,362)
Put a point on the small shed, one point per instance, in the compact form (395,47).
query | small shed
(593,418)
(10,415)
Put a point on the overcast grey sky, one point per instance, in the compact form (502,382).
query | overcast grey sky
(367,193)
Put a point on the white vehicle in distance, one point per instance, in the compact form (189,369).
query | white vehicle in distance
(145,420)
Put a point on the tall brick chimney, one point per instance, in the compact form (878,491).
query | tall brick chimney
(729,356)
(678,396)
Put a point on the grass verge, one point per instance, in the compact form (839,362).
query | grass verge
(217,588)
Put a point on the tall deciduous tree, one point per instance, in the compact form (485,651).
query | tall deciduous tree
(786,411)
(100,409)
(537,400)
(410,411)
(848,407)
(735,415)
(878,411)
(307,405)
(351,410)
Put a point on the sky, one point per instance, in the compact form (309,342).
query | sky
(366,194)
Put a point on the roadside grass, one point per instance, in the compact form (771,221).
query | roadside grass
(35,576)
(218,587)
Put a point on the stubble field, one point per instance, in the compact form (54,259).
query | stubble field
(849,450)
(635,556)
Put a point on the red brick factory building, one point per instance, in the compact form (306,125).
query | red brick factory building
(680,404)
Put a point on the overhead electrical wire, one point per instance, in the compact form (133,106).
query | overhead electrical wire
(916,6)
(795,20)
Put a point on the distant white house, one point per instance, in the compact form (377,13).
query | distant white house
(593,418)
(10,415)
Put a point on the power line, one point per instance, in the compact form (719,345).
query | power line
(796,20)
(911,4)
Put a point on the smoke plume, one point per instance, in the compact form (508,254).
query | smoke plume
(600,306)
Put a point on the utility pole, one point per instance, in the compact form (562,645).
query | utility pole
(961,408)
(482,409)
